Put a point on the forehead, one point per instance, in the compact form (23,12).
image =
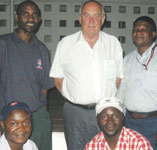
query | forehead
(28,7)
(91,6)
(142,24)
(18,114)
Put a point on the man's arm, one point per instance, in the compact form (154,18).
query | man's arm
(1,129)
(45,93)
(121,91)
(118,80)
(58,83)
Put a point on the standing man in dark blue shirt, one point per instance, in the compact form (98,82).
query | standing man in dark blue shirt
(24,71)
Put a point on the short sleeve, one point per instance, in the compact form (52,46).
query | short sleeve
(56,70)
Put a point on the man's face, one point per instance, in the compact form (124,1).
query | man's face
(17,127)
(91,19)
(28,20)
(142,34)
(110,121)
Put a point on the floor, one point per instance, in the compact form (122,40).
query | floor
(58,141)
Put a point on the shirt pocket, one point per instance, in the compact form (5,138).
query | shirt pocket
(110,69)
(150,82)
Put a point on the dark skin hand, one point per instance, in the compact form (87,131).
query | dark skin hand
(1,131)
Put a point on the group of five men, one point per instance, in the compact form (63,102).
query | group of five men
(87,70)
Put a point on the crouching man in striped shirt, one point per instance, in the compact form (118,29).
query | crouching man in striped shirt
(114,136)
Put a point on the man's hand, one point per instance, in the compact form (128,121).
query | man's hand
(1,130)
(118,80)
(58,83)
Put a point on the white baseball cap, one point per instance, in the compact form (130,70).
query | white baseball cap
(110,102)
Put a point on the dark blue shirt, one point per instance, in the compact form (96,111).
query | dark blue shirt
(24,71)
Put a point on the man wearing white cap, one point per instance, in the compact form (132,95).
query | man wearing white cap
(114,136)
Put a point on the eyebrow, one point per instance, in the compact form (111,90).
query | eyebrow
(28,118)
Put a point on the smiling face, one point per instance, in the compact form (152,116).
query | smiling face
(28,18)
(91,18)
(142,35)
(110,121)
(17,127)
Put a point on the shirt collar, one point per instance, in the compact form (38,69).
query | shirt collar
(102,140)
(5,142)
(124,138)
(15,34)
(121,137)
(146,53)
(81,37)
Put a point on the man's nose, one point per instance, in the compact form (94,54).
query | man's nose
(138,31)
(110,120)
(91,19)
(20,126)
(31,17)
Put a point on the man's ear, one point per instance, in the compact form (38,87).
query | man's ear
(154,35)
(79,19)
(97,117)
(1,127)
(16,18)
(103,19)
(2,124)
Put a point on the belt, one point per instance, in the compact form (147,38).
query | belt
(88,107)
(138,115)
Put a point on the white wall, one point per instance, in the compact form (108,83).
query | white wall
(70,16)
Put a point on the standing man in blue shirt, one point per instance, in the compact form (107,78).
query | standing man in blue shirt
(24,71)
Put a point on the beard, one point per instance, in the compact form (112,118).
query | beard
(112,133)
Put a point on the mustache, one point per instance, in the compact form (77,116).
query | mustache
(30,23)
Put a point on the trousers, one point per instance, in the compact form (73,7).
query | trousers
(80,126)
(146,126)
(42,129)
